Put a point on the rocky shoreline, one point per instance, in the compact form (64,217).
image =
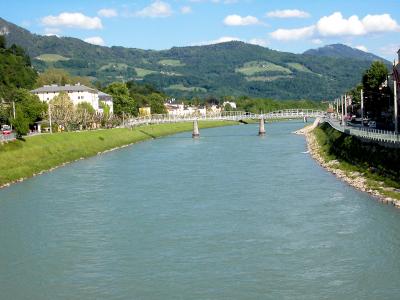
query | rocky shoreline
(355,179)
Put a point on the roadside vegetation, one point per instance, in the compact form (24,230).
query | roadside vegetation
(378,164)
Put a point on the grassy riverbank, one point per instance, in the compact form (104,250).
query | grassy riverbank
(22,159)
(368,166)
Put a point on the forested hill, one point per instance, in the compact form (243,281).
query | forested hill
(343,51)
(232,68)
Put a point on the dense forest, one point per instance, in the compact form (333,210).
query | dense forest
(233,68)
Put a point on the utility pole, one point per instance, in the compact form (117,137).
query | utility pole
(123,119)
(337,107)
(396,125)
(51,127)
(341,100)
(13,106)
(362,108)
(345,106)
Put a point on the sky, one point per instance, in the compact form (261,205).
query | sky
(291,25)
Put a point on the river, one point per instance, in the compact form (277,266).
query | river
(229,216)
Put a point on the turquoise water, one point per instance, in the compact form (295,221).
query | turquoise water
(229,216)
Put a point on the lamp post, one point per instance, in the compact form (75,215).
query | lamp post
(362,108)
(396,129)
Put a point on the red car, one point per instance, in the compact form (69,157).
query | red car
(6,130)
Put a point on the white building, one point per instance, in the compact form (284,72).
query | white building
(107,99)
(180,110)
(232,104)
(77,93)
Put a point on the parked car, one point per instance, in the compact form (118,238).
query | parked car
(6,129)
(372,124)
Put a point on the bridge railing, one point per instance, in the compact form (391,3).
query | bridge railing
(225,115)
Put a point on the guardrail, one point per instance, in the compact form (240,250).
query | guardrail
(366,133)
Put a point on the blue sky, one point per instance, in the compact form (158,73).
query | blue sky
(291,25)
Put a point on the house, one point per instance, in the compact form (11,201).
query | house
(181,110)
(108,100)
(78,93)
(144,111)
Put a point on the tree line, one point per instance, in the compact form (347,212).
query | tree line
(377,95)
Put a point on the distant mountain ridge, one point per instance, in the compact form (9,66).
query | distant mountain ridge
(233,68)
(343,51)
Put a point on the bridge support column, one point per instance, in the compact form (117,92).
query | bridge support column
(261,130)
(196,133)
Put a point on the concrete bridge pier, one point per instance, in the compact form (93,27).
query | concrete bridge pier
(196,133)
(261,130)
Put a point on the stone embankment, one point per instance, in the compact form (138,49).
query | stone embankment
(355,179)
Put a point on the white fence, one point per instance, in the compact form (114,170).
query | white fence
(365,132)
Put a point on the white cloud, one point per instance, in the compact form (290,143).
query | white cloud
(223,39)
(380,23)
(186,10)
(95,40)
(157,9)
(77,20)
(293,34)
(317,41)
(236,20)
(259,42)
(335,25)
(362,48)
(288,13)
(107,13)
(215,1)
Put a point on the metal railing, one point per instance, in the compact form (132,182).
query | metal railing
(222,116)
(365,132)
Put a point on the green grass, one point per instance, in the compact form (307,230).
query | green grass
(21,159)
(181,87)
(254,67)
(374,180)
(171,62)
(114,66)
(299,67)
(144,72)
(51,57)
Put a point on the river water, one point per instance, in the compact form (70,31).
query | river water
(229,216)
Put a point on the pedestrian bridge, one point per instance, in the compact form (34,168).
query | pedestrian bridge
(225,116)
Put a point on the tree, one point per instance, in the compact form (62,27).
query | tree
(20,123)
(106,116)
(2,41)
(60,77)
(376,96)
(375,76)
(15,70)
(123,102)
(62,110)
(85,106)
(29,105)
(157,104)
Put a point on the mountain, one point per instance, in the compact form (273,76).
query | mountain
(233,68)
(343,51)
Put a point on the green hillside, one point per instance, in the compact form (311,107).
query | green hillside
(232,68)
